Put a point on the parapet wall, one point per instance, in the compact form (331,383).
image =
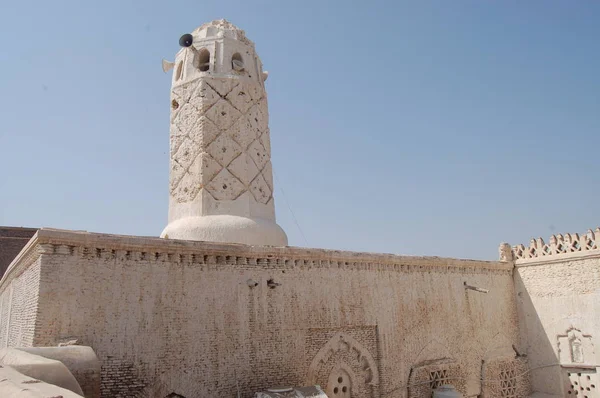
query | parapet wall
(586,243)
(203,319)
(558,295)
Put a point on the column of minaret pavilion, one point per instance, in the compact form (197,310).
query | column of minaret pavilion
(221,180)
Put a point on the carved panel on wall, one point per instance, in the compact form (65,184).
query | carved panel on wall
(581,383)
(505,378)
(424,378)
(575,347)
(345,366)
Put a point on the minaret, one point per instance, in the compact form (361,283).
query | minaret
(221,180)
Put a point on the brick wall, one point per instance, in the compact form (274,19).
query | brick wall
(181,317)
(18,307)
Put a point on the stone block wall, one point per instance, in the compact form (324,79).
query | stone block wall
(558,296)
(203,319)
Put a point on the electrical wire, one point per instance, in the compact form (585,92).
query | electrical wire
(290,208)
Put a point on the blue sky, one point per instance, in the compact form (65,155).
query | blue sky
(421,128)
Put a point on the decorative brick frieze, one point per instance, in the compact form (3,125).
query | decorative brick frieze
(111,248)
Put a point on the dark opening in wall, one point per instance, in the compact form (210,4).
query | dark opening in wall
(237,63)
(203,60)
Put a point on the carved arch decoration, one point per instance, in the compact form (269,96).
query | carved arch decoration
(344,363)
(432,366)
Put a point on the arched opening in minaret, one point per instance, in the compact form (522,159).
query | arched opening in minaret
(179,70)
(237,63)
(203,60)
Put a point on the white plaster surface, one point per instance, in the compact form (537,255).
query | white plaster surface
(225,228)
(81,361)
(48,370)
(558,296)
(14,384)
(553,299)
(221,178)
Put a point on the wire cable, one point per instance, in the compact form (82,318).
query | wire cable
(290,208)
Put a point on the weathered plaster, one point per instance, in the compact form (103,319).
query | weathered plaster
(180,316)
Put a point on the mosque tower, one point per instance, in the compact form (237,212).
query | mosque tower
(221,179)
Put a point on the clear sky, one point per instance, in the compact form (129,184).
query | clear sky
(422,128)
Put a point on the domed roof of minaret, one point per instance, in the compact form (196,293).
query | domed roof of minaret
(221,28)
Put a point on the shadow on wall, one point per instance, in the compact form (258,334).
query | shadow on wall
(545,370)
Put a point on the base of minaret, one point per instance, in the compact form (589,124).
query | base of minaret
(227,229)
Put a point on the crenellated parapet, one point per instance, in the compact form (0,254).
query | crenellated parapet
(557,245)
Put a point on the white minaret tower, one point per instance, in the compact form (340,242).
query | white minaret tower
(221,180)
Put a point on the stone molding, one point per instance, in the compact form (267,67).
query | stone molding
(559,248)
(122,247)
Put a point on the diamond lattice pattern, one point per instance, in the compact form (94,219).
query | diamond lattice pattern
(438,378)
(220,140)
(508,383)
